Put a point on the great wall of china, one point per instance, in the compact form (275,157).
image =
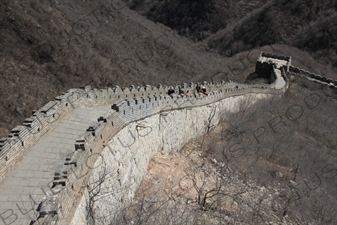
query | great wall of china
(47,164)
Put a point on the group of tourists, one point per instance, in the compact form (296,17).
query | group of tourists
(201,90)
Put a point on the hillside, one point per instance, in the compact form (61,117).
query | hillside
(229,27)
(48,47)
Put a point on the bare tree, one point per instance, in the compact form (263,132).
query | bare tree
(95,190)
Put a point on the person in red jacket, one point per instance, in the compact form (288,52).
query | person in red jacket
(203,90)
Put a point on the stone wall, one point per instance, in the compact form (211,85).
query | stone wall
(129,106)
(23,137)
(127,155)
(275,56)
(68,180)
(313,76)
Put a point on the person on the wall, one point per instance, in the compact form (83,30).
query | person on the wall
(202,90)
(170,91)
(198,88)
(181,91)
